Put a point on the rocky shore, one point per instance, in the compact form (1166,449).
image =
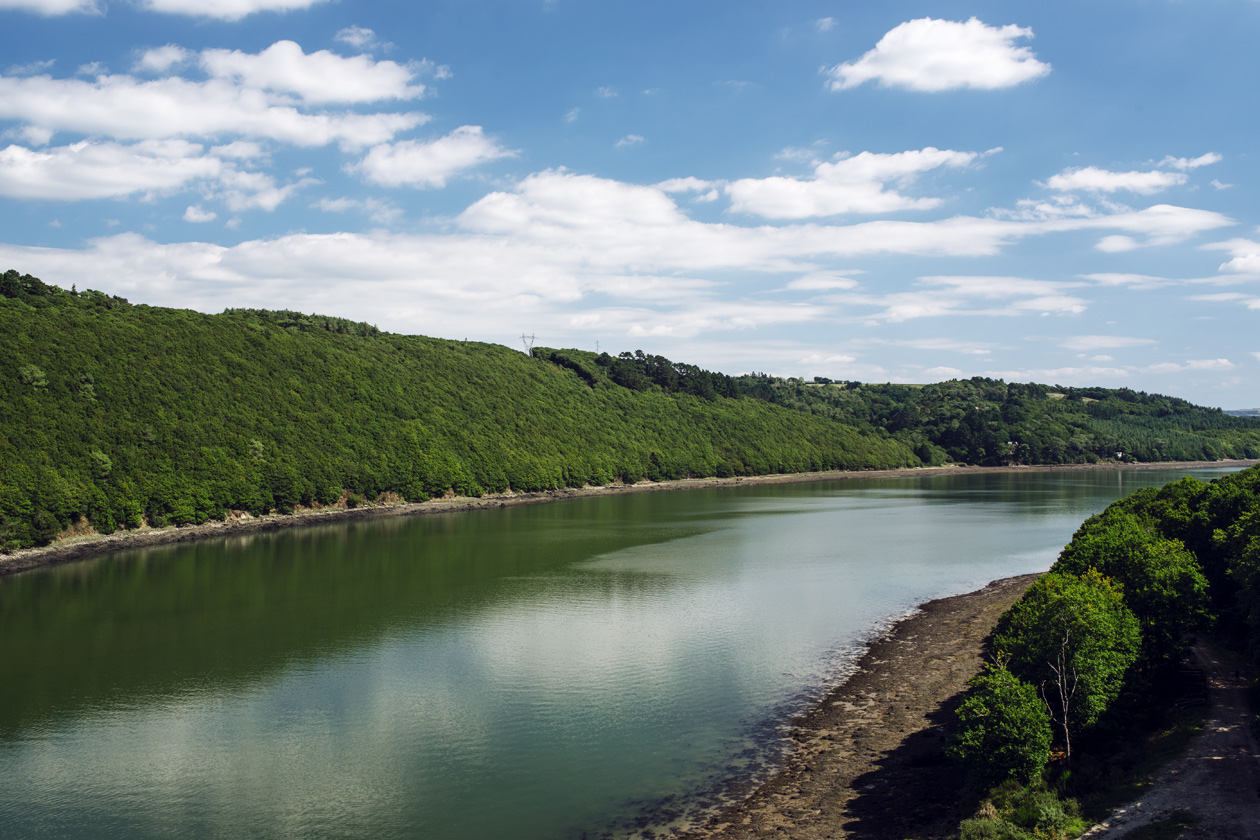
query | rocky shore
(869,760)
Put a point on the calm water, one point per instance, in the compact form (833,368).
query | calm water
(543,672)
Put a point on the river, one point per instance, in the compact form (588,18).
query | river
(539,673)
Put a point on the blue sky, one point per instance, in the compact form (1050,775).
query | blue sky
(908,192)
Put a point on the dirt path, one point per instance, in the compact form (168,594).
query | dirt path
(1218,780)
(869,762)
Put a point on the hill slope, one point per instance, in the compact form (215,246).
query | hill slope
(127,414)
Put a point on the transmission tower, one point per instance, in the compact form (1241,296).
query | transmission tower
(528,341)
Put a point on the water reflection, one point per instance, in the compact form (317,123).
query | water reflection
(527,672)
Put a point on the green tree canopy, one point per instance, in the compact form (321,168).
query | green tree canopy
(1003,729)
(1073,638)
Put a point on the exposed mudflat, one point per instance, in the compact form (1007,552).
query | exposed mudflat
(869,761)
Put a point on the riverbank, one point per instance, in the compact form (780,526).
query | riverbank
(869,760)
(81,546)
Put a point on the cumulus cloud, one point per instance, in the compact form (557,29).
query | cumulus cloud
(161,59)
(415,164)
(124,108)
(1190,163)
(197,215)
(224,9)
(89,170)
(1093,179)
(50,8)
(936,55)
(857,184)
(1244,255)
(320,77)
(359,37)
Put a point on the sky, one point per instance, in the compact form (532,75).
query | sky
(910,192)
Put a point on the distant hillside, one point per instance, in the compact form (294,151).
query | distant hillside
(1243,412)
(129,414)
(975,421)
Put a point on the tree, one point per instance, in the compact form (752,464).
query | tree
(1163,583)
(1003,729)
(1073,638)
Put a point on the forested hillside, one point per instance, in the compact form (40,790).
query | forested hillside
(126,414)
(1092,647)
(976,421)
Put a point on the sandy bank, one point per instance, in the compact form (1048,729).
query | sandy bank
(82,547)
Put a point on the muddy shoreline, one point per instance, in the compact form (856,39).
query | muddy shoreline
(92,545)
(868,760)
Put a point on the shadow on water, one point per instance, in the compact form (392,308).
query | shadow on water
(157,622)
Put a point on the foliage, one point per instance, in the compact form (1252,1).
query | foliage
(123,415)
(1003,729)
(1162,581)
(1018,812)
(1073,638)
(991,422)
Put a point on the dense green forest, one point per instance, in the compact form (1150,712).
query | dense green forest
(976,421)
(125,415)
(1093,646)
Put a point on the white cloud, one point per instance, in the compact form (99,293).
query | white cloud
(381,212)
(124,108)
(1066,375)
(605,92)
(688,184)
(572,115)
(224,9)
(89,170)
(1191,163)
(1093,179)
(50,8)
(359,37)
(32,68)
(825,24)
(855,184)
(1133,281)
(970,296)
(1117,244)
(432,164)
(1244,253)
(197,215)
(935,345)
(320,77)
(1220,185)
(821,281)
(1090,343)
(162,59)
(1191,365)
(936,55)
(628,140)
(941,374)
